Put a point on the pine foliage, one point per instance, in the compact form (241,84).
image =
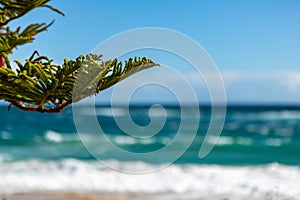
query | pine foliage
(41,86)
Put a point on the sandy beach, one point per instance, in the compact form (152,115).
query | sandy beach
(67,196)
(121,196)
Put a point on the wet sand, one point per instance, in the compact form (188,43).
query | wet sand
(81,196)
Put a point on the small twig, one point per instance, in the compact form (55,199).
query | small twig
(56,109)
(15,17)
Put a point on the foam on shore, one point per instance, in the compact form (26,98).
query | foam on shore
(70,175)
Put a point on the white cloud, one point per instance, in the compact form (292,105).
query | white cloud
(241,86)
(263,86)
(288,79)
(291,79)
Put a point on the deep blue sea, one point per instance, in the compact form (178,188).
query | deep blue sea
(258,152)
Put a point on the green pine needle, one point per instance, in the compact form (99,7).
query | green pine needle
(38,84)
(42,86)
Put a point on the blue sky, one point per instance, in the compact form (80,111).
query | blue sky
(255,44)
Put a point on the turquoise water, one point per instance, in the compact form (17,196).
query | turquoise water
(257,154)
(251,135)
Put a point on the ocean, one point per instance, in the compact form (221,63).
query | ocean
(257,154)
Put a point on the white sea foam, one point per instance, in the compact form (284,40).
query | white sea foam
(53,136)
(5,158)
(220,141)
(268,115)
(127,140)
(247,141)
(56,137)
(124,140)
(5,135)
(117,112)
(69,175)
(277,142)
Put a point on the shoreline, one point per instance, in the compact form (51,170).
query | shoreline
(122,196)
(67,196)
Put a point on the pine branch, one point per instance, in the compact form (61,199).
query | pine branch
(41,86)
(11,39)
(38,85)
(14,9)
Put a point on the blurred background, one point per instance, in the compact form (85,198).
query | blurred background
(254,44)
